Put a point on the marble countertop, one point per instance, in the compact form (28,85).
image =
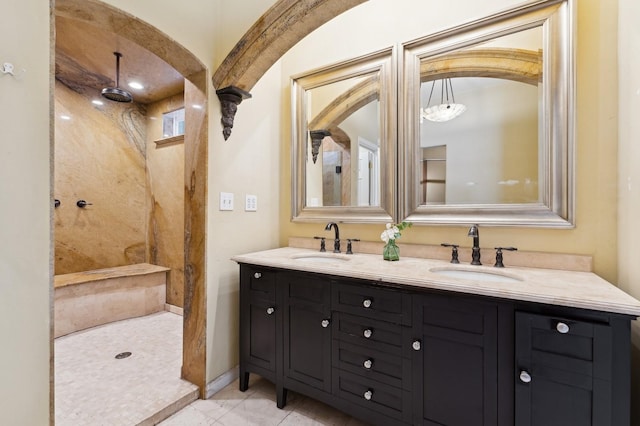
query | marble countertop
(556,287)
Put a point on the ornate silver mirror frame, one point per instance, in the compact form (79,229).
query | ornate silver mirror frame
(379,66)
(555,208)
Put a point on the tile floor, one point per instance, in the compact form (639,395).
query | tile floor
(94,388)
(257,406)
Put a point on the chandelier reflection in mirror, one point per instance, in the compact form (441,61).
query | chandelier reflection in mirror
(448,109)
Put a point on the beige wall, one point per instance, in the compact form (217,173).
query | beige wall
(25,176)
(99,157)
(248,163)
(629,172)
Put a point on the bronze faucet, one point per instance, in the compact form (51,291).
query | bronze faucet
(336,242)
(475,251)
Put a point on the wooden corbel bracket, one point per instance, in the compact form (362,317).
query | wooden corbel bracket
(230,97)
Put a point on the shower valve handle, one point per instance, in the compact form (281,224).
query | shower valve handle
(82,204)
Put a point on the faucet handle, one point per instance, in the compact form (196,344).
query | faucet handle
(454,251)
(322,243)
(499,263)
(349,240)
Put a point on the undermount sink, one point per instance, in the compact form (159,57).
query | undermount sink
(320,258)
(480,275)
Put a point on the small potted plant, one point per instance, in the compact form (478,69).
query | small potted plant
(391,251)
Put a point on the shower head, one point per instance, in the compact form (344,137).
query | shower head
(116,93)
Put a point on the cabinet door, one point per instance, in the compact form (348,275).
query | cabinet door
(563,372)
(455,361)
(307,331)
(258,319)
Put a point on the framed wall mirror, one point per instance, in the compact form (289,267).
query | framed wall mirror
(344,135)
(488,114)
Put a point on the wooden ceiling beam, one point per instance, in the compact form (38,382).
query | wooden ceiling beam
(272,35)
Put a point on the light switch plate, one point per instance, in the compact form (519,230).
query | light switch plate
(251,203)
(226,201)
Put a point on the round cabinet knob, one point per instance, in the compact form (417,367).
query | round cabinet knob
(270,311)
(416,345)
(368,395)
(366,303)
(368,364)
(562,328)
(325,323)
(367,333)
(257,275)
(525,377)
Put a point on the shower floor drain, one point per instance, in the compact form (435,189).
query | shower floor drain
(123,355)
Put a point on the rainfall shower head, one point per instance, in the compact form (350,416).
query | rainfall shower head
(116,93)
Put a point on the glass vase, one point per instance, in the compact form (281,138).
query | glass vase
(391,251)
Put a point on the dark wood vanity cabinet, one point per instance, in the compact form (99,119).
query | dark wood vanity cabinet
(455,360)
(285,333)
(570,371)
(259,319)
(306,332)
(371,351)
(399,355)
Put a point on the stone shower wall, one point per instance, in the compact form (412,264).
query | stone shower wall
(165,192)
(99,157)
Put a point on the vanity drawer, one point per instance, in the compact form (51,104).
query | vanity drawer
(372,395)
(378,303)
(455,317)
(372,334)
(560,336)
(258,283)
(376,365)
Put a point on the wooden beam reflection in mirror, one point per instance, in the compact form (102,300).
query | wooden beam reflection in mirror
(524,66)
(347,103)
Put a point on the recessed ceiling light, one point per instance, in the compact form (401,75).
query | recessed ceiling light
(136,85)
(97,102)
(65,117)
(196,106)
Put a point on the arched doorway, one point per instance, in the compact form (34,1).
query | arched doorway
(110,19)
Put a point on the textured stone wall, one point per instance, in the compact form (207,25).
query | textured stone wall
(99,157)
(165,192)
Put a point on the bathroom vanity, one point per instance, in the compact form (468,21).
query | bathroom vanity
(421,341)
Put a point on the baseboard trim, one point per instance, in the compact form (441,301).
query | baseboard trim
(222,381)
(173,309)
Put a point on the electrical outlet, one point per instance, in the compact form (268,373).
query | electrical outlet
(226,201)
(251,203)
